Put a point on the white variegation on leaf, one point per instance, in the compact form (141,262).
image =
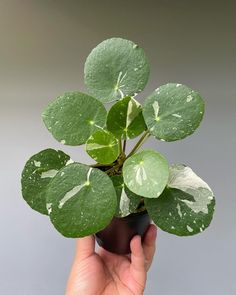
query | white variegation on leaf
(184,179)
(186,206)
(49,174)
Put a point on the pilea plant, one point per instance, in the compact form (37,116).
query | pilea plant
(83,199)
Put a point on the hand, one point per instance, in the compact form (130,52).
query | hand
(105,273)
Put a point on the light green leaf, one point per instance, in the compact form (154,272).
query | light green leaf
(173,111)
(37,173)
(116,68)
(103,147)
(127,201)
(82,200)
(125,119)
(73,117)
(146,173)
(186,206)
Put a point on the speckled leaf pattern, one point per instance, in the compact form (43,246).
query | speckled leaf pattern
(116,68)
(37,173)
(81,200)
(73,117)
(146,173)
(186,206)
(103,147)
(173,111)
(127,201)
(125,119)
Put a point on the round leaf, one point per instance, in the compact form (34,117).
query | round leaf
(103,147)
(146,173)
(173,111)
(127,201)
(186,206)
(125,119)
(37,173)
(73,117)
(82,200)
(116,68)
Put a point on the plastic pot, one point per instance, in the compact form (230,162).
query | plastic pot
(117,235)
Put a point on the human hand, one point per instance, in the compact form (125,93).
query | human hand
(105,273)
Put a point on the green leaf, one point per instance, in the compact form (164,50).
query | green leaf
(116,68)
(186,206)
(173,111)
(103,147)
(73,117)
(127,201)
(125,119)
(37,173)
(146,173)
(82,200)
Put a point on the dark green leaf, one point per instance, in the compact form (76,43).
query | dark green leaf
(82,200)
(173,111)
(125,119)
(116,68)
(73,117)
(186,206)
(37,173)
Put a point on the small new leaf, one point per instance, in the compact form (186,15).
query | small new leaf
(103,147)
(125,119)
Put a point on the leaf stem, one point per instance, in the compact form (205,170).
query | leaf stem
(142,139)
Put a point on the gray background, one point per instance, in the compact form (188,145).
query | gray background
(43,47)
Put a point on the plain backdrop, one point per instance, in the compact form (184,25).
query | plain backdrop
(43,46)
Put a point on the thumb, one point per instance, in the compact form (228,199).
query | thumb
(85,247)
(137,266)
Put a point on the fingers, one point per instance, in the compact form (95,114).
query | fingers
(149,245)
(85,247)
(137,266)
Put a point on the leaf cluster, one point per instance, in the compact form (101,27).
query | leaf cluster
(82,199)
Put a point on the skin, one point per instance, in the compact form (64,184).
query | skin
(105,273)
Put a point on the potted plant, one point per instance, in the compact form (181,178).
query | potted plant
(116,197)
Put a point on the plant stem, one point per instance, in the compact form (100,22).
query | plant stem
(102,165)
(144,137)
(120,146)
(124,145)
(117,166)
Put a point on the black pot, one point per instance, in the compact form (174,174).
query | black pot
(117,235)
